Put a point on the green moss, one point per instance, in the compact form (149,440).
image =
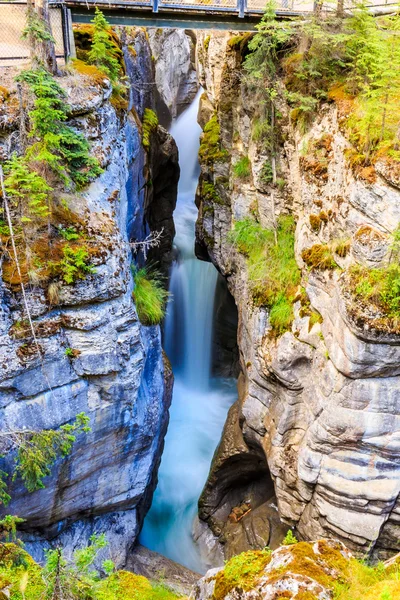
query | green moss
(150,297)
(273,272)
(211,149)
(209,193)
(207,42)
(240,42)
(242,168)
(319,256)
(150,124)
(241,572)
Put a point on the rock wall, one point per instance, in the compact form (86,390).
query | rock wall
(175,72)
(320,403)
(119,376)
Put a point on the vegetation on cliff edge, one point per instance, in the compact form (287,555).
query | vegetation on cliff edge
(73,579)
(273,272)
(354,62)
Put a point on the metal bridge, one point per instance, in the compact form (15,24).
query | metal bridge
(201,14)
(192,14)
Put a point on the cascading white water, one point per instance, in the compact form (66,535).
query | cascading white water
(199,403)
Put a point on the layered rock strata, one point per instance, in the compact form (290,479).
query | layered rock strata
(320,403)
(117,374)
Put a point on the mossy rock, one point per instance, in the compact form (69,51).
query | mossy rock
(211,150)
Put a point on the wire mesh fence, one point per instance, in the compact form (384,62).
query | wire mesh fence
(13,47)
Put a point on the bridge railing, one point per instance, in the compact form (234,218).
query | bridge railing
(240,7)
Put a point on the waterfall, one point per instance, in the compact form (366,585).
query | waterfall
(199,403)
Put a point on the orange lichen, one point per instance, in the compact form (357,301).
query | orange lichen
(344,101)
(90,71)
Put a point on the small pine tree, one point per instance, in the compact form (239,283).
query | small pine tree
(103,53)
(290,539)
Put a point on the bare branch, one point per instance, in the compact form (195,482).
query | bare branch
(153,240)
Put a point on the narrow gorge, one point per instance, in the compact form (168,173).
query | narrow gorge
(200,308)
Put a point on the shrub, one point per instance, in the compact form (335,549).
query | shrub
(150,124)
(266,174)
(74,265)
(150,297)
(242,168)
(273,272)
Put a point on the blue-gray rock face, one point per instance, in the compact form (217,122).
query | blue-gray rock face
(119,377)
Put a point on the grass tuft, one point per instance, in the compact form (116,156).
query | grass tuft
(150,297)
(242,168)
(273,272)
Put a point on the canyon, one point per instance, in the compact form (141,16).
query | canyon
(308,440)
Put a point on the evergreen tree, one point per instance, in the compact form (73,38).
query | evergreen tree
(56,146)
(103,52)
(37,451)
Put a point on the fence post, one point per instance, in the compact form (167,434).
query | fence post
(65,32)
(155,6)
(242,6)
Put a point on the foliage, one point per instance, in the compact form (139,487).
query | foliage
(241,571)
(266,175)
(103,52)
(56,147)
(150,124)
(211,149)
(365,582)
(290,538)
(273,272)
(37,451)
(36,28)
(150,296)
(74,264)
(75,579)
(380,287)
(354,61)
(8,527)
(26,188)
(242,168)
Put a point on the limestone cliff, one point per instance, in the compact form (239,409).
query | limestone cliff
(318,414)
(116,372)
